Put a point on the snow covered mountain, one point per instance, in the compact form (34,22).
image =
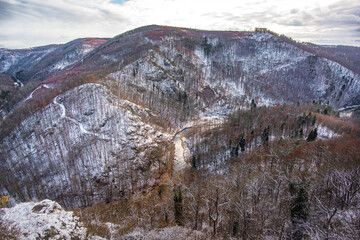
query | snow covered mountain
(26,64)
(95,119)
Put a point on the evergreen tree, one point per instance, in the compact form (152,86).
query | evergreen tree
(253,104)
(178,207)
(235,151)
(299,211)
(265,135)
(242,142)
(207,46)
(301,132)
(312,135)
(195,159)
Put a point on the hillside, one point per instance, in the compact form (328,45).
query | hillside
(219,133)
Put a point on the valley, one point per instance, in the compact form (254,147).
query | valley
(165,132)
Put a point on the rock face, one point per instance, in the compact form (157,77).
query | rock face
(85,147)
(201,73)
(43,220)
(97,142)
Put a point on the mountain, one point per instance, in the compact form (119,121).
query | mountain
(348,56)
(146,84)
(151,74)
(126,123)
(32,66)
(26,64)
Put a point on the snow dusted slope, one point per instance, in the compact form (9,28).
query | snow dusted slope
(89,146)
(76,52)
(41,62)
(12,61)
(86,147)
(43,220)
(212,73)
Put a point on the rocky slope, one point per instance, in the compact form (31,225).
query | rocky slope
(109,139)
(217,71)
(43,220)
(28,67)
(85,147)
(26,64)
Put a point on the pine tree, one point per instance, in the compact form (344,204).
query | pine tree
(242,142)
(253,104)
(207,46)
(299,211)
(265,135)
(178,207)
(312,135)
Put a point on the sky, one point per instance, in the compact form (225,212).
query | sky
(29,23)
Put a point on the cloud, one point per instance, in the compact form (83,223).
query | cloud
(57,21)
(6,10)
(118,1)
(29,23)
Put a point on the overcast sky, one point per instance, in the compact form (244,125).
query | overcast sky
(28,23)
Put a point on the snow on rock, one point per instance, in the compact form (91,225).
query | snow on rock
(88,146)
(325,133)
(179,158)
(43,220)
(20,59)
(182,151)
(73,56)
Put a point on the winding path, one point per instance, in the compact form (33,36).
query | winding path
(18,82)
(41,86)
(81,126)
(348,108)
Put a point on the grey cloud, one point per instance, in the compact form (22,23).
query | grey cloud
(110,16)
(294,10)
(64,14)
(295,22)
(259,17)
(31,24)
(6,10)
(26,10)
(341,14)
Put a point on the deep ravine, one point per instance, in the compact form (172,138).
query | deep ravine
(180,161)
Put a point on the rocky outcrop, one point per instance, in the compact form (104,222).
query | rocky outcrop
(43,220)
(85,147)
(203,73)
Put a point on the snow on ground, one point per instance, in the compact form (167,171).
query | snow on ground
(76,122)
(181,149)
(41,86)
(179,159)
(325,133)
(73,57)
(43,220)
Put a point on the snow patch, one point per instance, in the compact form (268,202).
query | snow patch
(325,133)
(43,219)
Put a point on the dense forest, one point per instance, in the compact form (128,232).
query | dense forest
(290,183)
(175,133)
